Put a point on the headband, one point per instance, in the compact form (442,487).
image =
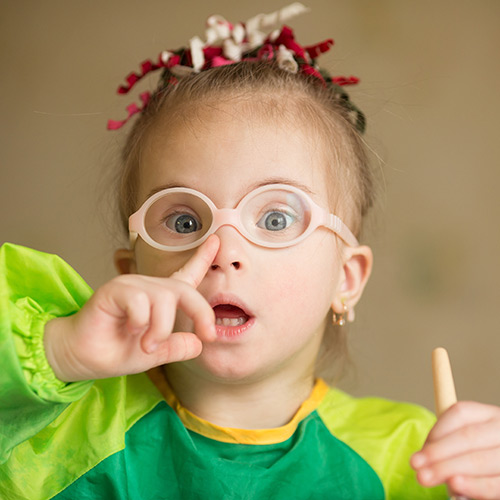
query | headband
(257,39)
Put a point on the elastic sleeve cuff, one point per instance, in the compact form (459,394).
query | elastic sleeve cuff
(28,328)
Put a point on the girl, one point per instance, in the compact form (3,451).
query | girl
(194,373)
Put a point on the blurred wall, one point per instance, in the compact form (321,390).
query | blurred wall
(430,73)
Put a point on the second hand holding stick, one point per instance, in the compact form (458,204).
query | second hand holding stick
(444,387)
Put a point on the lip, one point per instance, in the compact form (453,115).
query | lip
(232,332)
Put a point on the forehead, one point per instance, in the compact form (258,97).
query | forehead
(226,149)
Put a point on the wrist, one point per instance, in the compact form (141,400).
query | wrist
(54,341)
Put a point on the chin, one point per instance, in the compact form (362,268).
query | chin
(229,367)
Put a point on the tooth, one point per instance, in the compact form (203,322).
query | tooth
(230,321)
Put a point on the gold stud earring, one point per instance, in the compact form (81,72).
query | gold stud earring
(338,319)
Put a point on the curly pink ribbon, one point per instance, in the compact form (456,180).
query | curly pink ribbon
(132,110)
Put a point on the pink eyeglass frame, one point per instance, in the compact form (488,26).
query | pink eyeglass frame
(231,217)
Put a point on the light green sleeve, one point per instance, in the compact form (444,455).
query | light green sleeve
(386,434)
(34,288)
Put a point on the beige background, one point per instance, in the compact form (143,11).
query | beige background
(430,73)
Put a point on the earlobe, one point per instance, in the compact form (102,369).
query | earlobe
(125,261)
(356,270)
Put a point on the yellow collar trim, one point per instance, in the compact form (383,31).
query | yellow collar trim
(241,436)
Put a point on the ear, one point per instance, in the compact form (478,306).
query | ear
(357,268)
(125,261)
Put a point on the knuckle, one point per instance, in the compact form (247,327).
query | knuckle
(459,484)
(141,295)
(135,298)
(461,409)
(168,297)
(432,453)
(484,488)
(469,433)
(491,489)
(113,286)
(123,279)
(182,281)
(139,304)
(182,275)
(477,461)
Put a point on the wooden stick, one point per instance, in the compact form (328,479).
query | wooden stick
(444,387)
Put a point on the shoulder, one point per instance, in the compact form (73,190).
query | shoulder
(385,433)
(12,254)
(43,277)
(369,423)
(341,412)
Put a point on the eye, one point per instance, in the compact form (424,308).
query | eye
(275,221)
(183,223)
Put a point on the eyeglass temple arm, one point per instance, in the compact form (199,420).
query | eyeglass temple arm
(339,228)
(132,237)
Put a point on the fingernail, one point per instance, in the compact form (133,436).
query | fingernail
(426,475)
(418,460)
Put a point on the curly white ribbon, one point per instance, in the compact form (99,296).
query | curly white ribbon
(218,29)
(256,30)
(262,23)
(285,60)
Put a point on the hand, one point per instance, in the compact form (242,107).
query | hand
(126,326)
(463,451)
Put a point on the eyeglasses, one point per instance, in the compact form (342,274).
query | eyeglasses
(272,216)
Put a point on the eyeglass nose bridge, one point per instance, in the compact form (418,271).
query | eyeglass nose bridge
(227,217)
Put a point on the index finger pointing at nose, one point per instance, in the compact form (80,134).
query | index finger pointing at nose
(197,266)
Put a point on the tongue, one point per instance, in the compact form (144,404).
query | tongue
(229,311)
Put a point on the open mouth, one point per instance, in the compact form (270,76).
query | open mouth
(230,315)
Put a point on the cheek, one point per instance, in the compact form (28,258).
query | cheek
(152,262)
(302,279)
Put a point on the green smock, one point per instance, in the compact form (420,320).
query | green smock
(129,437)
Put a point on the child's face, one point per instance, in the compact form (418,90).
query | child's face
(285,293)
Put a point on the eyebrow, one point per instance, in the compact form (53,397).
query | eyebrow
(282,180)
(163,187)
(265,182)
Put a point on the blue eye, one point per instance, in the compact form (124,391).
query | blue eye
(275,221)
(183,223)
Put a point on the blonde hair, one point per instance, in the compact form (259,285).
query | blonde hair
(264,87)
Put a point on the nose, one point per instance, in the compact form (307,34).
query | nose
(231,255)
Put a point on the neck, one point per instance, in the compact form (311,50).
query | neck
(251,404)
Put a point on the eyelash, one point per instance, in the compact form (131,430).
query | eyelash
(176,212)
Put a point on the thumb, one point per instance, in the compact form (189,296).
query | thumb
(180,346)
(198,265)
